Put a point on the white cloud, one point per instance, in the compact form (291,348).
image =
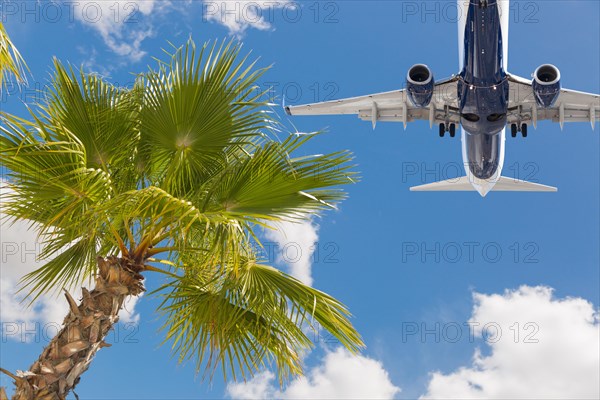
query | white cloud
(127,315)
(548,348)
(341,375)
(20,247)
(295,246)
(239,15)
(555,356)
(259,387)
(122,24)
(92,65)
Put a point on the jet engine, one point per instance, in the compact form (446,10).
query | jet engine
(419,85)
(546,85)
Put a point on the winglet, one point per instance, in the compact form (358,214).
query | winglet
(286,108)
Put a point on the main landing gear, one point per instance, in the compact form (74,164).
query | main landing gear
(447,128)
(514,128)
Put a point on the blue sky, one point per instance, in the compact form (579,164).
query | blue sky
(370,253)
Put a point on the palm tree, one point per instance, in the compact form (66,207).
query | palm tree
(11,62)
(173,176)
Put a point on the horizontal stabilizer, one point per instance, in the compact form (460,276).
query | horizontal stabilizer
(505,184)
(463,184)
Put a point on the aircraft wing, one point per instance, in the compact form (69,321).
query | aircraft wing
(571,105)
(391,106)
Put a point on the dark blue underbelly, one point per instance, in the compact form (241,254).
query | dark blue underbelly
(483,154)
(483,87)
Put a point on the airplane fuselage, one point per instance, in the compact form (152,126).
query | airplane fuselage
(483,88)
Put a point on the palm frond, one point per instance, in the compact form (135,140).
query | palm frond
(71,265)
(244,320)
(11,62)
(102,117)
(271,185)
(196,106)
(157,217)
(51,184)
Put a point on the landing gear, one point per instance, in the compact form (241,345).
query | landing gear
(514,129)
(450,128)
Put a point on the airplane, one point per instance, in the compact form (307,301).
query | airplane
(483,98)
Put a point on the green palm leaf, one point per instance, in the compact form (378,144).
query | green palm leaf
(11,62)
(271,185)
(102,117)
(197,107)
(246,319)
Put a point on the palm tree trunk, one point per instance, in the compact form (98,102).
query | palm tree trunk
(70,352)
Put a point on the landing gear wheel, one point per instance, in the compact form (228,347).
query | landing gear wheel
(452,130)
(524,130)
(513,130)
(442,130)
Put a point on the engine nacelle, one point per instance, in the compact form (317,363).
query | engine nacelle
(546,85)
(419,85)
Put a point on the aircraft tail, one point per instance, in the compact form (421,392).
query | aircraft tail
(503,184)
